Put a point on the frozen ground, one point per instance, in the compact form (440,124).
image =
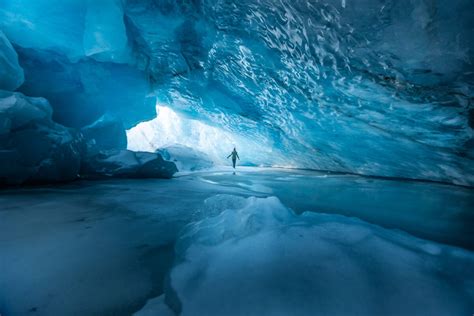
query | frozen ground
(215,243)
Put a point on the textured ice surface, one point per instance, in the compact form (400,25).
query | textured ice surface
(11,74)
(32,147)
(259,258)
(372,87)
(105,133)
(105,36)
(77,54)
(186,158)
(54,25)
(81,92)
(74,28)
(126,164)
(106,247)
(372,200)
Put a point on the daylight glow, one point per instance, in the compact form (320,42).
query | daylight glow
(171,128)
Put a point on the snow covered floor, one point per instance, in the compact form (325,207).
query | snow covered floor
(215,243)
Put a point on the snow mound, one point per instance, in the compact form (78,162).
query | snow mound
(256,257)
(186,158)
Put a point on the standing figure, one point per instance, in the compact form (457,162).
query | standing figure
(234,155)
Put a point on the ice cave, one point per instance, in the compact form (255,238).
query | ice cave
(236,157)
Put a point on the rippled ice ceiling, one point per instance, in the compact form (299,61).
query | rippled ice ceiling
(367,86)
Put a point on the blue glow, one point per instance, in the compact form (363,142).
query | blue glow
(353,192)
(371,87)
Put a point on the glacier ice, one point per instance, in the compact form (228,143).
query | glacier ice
(76,45)
(377,88)
(53,25)
(186,158)
(11,73)
(114,88)
(126,164)
(105,35)
(73,28)
(105,133)
(80,92)
(33,148)
(117,238)
(256,257)
(337,88)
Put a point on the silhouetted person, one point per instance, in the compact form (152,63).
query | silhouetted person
(234,155)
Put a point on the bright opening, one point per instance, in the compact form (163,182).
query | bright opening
(170,129)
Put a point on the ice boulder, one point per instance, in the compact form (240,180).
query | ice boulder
(11,74)
(33,148)
(105,133)
(126,164)
(186,158)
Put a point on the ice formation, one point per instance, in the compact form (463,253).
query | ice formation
(33,148)
(256,257)
(372,87)
(126,164)
(109,245)
(105,133)
(114,88)
(186,158)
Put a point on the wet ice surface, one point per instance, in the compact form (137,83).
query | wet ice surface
(428,210)
(107,247)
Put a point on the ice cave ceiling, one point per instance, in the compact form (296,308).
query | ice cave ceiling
(378,87)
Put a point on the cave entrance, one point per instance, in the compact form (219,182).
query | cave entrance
(173,134)
(179,137)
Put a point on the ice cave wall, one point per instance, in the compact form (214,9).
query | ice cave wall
(372,87)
